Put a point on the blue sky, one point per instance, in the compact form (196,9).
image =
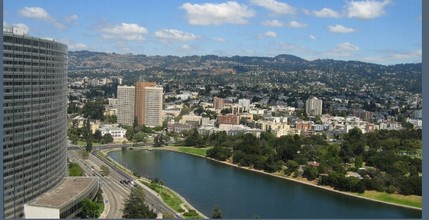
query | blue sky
(377,31)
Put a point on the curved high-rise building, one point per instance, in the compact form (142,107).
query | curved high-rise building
(35,118)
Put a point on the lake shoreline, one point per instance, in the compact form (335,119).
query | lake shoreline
(297,180)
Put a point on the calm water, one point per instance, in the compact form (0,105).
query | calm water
(245,194)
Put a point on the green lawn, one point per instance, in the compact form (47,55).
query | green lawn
(195,151)
(413,201)
(100,206)
(191,214)
(167,196)
(83,143)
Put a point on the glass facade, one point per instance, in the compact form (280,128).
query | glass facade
(35,118)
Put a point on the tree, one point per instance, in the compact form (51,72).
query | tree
(140,137)
(217,214)
(135,207)
(89,209)
(73,138)
(88,147)
(93,110)
(104,170)
(160,140)
(292,166)
(97,135)
(107,138)
(311,172)
(75,170)
(111,119)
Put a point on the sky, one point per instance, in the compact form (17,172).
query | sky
(377,31)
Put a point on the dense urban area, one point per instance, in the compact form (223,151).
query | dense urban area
(351,125)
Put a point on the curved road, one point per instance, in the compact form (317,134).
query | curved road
(115,193)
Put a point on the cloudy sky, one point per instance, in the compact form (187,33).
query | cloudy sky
(377,31)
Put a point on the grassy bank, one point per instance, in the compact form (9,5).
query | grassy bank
(194,151)
(411,200)
(172,200)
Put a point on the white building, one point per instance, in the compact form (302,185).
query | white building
(245,103)
(126,96)
(313,106)
(117,133)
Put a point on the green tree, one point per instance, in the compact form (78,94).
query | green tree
(107,138)
(88,147)
(140,137)
(75,170)
(93,110)
(112,119)
(217,213)
(135,207)
(89,209)
(97,136)
(104,170)
(292,166)
(358,162)
(160,140)
(73,138)
(73,108)
(311,172)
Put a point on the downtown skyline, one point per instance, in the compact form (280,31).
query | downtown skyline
(383,31)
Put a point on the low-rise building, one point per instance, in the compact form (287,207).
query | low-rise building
(63,201)
(228,119)
(117,133)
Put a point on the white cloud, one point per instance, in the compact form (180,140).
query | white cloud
(187,47)
(34,12)
(40,14)
(323,13)
(220,39)
(345,49)
(275,6)
(23,27)
(125,31)
(312,37)
(273,23)
(295,24)
(72,18)
(366,9)
(398,57)
(216,14)
(340,29)
(270,34)
(174,35)
(346,46)
(77,46)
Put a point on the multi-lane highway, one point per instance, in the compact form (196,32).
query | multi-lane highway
(114,192)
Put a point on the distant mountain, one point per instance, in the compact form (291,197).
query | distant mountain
(87,61)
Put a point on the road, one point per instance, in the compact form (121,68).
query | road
(115,193)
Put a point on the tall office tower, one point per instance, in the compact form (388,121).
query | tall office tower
(126,96)
(245,103)
(153,99)
(218,103)
(35,118)
(140,100)
(313,106)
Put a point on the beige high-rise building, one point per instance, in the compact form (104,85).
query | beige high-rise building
(218,103)
(139,108)
(126,97)
(313,106)
(152,109)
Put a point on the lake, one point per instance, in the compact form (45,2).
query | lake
(245,194)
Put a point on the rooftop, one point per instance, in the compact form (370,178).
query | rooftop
(66,192)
